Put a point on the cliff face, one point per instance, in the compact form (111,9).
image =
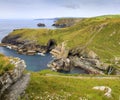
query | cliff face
(66,22)
(88,60)
(9,79)
(27,47)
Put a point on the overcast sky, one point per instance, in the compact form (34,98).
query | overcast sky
(57,8)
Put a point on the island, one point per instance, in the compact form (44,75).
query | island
(41,25)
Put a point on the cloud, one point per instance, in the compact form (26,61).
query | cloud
(71,6)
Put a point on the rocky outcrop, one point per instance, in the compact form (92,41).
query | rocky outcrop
(41,25)
(66,22)
(27,47)
(61,61)
(92,66)
(59,25)
(8,79)
(60,65)
(17,89)
(65,61)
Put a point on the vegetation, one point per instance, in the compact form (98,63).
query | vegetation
(48,85)
(68,21)
(100,34)
(5,64)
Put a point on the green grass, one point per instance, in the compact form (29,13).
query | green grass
(100,34)
(68,21)
(45,87)
(5,64)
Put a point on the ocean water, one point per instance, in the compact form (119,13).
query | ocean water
(36,62)
(7,26)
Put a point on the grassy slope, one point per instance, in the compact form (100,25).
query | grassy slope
(101,34)
(44,87)
(5,64)
(68,21)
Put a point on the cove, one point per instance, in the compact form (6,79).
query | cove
(34,63)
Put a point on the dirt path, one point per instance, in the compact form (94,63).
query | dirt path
(84,77)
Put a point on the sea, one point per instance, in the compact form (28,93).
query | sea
(35,62)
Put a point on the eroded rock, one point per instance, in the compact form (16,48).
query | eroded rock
(8,79)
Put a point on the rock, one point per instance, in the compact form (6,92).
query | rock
(60,65)
(7,79)
(61,62)
(31,52)
(106,89)
(60,51)
(51,45)
(85,64)
(41,25)
(12,40)
(87,61)
(14,92)
(60,25)
(26,46)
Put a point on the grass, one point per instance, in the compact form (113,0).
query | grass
(100,34)
(5,64)
(68,21)
(45,87)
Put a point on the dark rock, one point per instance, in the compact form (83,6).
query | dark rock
(12,40)
(41,25)
(51,44)
(60,25)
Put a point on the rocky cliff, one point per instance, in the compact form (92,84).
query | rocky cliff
(27,47)
(65,60)
(11,79)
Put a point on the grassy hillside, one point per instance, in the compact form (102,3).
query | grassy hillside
(47,85)
(68,21)
(5,64)
(100,34)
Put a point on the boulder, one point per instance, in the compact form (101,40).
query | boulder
(106,89)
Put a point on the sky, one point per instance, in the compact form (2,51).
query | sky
(31,9)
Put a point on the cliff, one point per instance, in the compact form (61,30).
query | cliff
(98,34)
(12,78)
(66,22)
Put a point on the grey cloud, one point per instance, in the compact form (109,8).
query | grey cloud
(71,6)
